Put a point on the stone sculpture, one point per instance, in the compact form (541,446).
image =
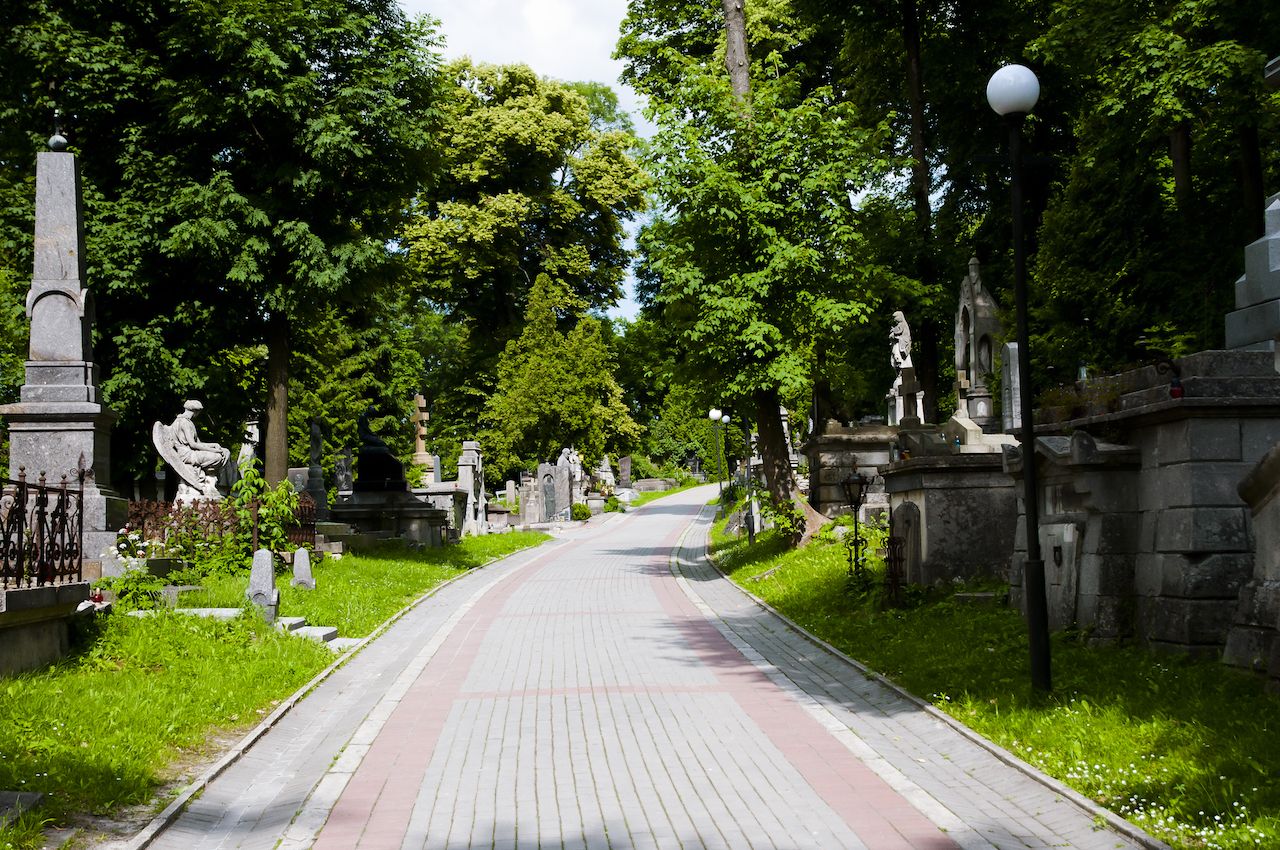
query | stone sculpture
(197,463)
(904,396)
(976,331)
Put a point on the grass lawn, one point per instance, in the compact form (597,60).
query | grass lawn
(1189,751)
(109,726)
(645,498)
(357,593)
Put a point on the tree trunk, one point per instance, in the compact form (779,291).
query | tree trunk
(1180,153)
(926,359)
(1255,199)
(277,438)
(774,453)
(736,61)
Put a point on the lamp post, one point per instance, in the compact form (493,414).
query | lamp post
(717,420)
(855,493)
(1012,91)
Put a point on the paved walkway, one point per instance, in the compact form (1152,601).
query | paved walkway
(611,690)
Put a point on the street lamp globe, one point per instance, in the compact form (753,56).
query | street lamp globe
(1013,89)
(724,420)
(714,414)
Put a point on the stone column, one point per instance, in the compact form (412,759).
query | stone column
(471,480)
(59,422)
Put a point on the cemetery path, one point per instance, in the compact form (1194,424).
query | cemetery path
(612,690)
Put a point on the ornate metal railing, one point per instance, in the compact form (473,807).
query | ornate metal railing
(41,531)
(303,530)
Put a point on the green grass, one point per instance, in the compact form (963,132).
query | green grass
(1187,750)
(645,498)
(105,727)
(99,730)
(357,593)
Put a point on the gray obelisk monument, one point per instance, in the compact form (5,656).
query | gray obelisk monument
(59,422)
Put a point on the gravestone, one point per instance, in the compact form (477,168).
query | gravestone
(59,425)
(510,495)
(297,478)
(420,419)
(977,329)
(624,472)
(262,590)
(1010,390)
(302,576)
(604,474)
(1255,322)
(550,491)
(344,478)
(434,473)
(471,481)
(377,469)
(315,473)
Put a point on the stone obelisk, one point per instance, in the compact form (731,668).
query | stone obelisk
(59,423)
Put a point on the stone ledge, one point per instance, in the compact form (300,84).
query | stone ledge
(30,599)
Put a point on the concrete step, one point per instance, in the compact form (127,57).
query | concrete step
(343,644)
(323,634)
(290,624)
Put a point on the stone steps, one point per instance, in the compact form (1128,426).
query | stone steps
(328,635)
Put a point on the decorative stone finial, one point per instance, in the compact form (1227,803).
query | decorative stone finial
(57,142)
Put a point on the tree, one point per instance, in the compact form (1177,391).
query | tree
(555,389)
(247,163)
(759,255)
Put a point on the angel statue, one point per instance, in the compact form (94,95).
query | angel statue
(196,463)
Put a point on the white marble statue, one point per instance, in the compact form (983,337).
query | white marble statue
(197,463)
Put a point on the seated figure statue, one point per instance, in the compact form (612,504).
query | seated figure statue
(196,463)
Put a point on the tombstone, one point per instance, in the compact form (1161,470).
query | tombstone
(434,471)
(1255,322)
(297,478)
(549,490)
(604,474)
(377,469)
(420,419)
(624,472)
(314,484)
(977,328)
(262,590)
(904,382)
(59,425)
(510,495)
(471,480)
(344,479)
(1010,390)
(302,576)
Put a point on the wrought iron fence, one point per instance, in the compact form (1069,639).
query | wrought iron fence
(41,531)
(303,530)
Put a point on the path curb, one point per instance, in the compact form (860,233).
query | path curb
(1114,821)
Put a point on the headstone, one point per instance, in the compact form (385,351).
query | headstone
(262,590)
(1010,390)
(377,469)
(547,475)
(624,472)
(344,479)
(1255,322)
(435,473)
(604,474)
(59,426)
(297,478)
(314,485)
(510,496)
(471,480)
(420,419)
(900,358)
(302,576)
(977,329)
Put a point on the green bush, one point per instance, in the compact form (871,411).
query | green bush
(579,511)
(612,505)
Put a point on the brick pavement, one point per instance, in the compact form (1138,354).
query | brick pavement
(601,693)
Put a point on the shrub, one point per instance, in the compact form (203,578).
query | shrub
(579,511)
(612,505)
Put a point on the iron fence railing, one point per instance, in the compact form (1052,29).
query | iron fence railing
(41,531)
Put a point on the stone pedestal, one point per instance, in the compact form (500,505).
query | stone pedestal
(834,455)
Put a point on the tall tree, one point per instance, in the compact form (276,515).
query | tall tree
(247,163)
(555,388)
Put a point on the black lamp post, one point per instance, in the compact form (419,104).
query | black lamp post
(855,493)
(1012,91)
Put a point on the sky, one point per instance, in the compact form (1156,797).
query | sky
(564,39)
